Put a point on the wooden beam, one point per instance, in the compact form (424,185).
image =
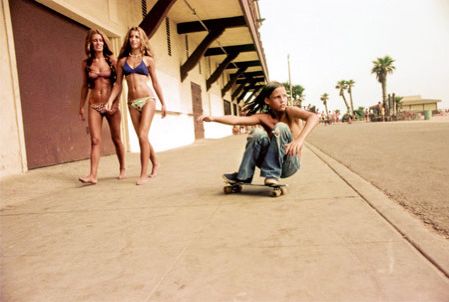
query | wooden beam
(155,16)
(251,74)
(215,51)
(252,83)
(257,79)
(245,64)
(237,91)
(244,92)
(199,51)
(257,88)
(232,80)
(196,26)
(248,7)
(216,74)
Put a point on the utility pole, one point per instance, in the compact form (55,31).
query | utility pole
(290,80)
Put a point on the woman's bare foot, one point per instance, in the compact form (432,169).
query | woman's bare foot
(88,180)
(154,170)
(122,174)
(142,180)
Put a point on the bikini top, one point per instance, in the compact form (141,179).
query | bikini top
(140,69)
(92,76)
(102,74)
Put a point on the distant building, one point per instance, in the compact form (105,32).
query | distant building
(417,104)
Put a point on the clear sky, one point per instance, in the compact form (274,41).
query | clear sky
(330,40)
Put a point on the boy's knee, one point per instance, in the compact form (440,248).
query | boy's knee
(257,135)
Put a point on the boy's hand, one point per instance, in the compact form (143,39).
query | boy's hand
(293,148)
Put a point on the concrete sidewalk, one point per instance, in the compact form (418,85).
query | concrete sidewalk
(179,238)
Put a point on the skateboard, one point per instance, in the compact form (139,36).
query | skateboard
(276,190)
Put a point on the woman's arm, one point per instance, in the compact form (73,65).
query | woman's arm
(156,86)
(117,85)
(84,91)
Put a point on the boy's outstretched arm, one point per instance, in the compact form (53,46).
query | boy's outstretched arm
(231,119)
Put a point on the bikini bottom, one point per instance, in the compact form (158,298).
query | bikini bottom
(139,103)
(100,108)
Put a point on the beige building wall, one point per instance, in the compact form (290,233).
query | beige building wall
(12,150)
(114,17)
(421,107)
(177,128)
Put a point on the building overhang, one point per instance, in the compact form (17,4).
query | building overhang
(225,30)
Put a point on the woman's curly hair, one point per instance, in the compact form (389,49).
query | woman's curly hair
(144,46)
(90,53)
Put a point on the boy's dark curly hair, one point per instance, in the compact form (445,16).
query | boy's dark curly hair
(258,103)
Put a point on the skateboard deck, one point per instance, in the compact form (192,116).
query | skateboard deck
(276,190)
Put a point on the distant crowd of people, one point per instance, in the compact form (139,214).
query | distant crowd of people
(333,117)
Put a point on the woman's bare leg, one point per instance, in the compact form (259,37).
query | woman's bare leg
(142,122)
(147,115)
(95,121)
(114,125)
(154,161)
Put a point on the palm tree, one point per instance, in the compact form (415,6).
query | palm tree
(341,85)
(298,101)
(382,67)
(349,85)
(397,103)
(297,91)
(324,99)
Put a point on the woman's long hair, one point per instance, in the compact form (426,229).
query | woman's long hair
(258,103)
(90,53)
(144,43)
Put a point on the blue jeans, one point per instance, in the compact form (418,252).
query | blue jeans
(268,154)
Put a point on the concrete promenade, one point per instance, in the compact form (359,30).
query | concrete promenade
(334,237)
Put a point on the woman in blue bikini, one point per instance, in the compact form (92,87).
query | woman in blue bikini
(98,71)
(136,63)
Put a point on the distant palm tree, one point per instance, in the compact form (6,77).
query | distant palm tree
(382,67)
(324,99)
(341,86)
(297,93)
(298,101)
(397,103)
(349,85)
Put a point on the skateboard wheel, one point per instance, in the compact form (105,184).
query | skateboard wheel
(276,193)
(284,191)
(227,189)
(237,189)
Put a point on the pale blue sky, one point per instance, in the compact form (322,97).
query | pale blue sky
(332,40)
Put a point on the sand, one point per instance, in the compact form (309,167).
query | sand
(409,161)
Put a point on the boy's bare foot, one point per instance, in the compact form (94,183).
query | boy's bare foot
(154,170)
(142,180)
(88,180)
(122,174)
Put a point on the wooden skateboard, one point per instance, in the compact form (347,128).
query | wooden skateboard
(277,190)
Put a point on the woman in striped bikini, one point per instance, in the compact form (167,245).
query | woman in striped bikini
(136,63)
(98,78)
